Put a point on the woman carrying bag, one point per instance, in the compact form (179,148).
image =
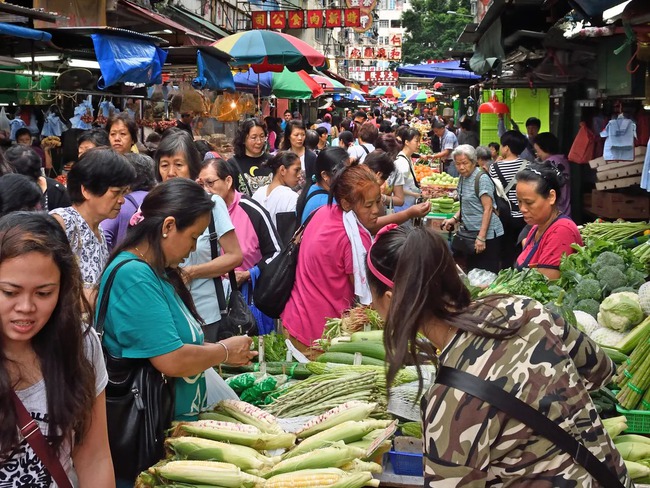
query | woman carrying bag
(150,315)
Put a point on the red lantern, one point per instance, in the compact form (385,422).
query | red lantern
(494,106)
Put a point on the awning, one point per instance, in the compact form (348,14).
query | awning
(198,39)
(184,16)
(445,69)
(24,32)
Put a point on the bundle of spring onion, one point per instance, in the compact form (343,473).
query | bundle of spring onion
(613,231)
(319,393)
(353,320)
(642,251)
(633,377)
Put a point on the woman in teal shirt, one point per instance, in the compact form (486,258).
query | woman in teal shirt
(150,311)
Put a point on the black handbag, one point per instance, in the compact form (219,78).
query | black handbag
(139,404)
(464,241)
(236,316)
(540,423)
(274,286)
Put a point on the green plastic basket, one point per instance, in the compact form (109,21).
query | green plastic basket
(638,421)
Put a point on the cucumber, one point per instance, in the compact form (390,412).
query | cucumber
(373,349)
(627,345)
(614,354)
(347,358)
(372,335)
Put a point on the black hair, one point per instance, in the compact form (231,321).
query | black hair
(409,134)
(427,286)
(22,131)
(547,176)
(97,170)
(534,121)
(321,131)
(289,128)
(25,161)
(98,137)
(185,201)
(174,143)
(381,162)
(327,161)
(495,145)
(287,111)
(145,171)
(239,141)
(389,144)
(385,127)
(128,121)
(400,133)
(368,132)
(515,141)
(203,147)
(311,139)
(347,137)
(361,113)
(18,192)
(548,143)
(279,159)
(59,346)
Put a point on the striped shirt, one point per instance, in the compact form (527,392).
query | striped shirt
(509,170)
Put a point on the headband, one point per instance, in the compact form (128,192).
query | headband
(371,267)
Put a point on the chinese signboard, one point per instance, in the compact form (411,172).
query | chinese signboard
(379,53)
(311,19)
(375,78)
(365,7)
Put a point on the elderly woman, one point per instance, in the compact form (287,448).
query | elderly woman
(539,191)
(122,133)
(97,185)
(484,157)
(479,237)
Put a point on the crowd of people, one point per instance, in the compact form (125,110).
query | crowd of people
(153,224)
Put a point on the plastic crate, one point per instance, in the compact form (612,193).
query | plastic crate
(638,421)
(406,463)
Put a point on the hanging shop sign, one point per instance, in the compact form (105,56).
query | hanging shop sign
(365,7)
(395,40)
(375,78)
(312,19)
(377,53)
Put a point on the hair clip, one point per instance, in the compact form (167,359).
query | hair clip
(136,218)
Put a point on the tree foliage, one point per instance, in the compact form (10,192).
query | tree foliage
(430,32)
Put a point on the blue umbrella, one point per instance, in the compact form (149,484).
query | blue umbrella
(355,95)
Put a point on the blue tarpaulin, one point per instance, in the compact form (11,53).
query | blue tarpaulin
(445,69)
(25,32)
(212,73)
(125,59)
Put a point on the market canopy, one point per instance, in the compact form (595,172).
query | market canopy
(24,32)
(444,69)
(330,85)
(288,84)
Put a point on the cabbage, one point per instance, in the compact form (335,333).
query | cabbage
(620,311)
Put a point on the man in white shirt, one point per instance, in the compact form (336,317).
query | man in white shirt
(367,136)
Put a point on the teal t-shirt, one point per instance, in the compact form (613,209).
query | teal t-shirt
(146,318)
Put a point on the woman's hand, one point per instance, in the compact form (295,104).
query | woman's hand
(420,210)
(242,276)
(448,224)
(239,350)
(479,246)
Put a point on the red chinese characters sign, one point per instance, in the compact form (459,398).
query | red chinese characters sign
(278,20)
(259,20)
(314,19)
(352,17)
(333,18)
(296,19)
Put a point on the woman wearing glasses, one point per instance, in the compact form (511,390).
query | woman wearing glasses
(250,155)
(177,157)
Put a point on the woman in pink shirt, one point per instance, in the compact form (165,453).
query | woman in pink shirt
(330,270)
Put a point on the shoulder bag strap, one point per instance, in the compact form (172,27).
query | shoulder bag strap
(31,432)
(103,305)
(214,253)
(365,149)
(540,423)
(415,180)
(313,194)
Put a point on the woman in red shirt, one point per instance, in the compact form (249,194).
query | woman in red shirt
(538,191)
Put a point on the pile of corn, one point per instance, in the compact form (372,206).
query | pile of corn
(332,450)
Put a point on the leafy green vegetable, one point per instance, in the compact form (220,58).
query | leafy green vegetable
(275,349)
(529,282)
(611,277)
(608,258)
(588,288)
(620,311)
(588,305)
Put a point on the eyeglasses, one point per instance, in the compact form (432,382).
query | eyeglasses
(257,138)
(208,183)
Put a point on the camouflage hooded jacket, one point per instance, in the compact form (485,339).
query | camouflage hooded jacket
(547,364)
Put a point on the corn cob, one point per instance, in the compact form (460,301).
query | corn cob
(218,416)
(244,435)
(197,448)
(358,466)
(354,410)
(333,456)
(249,414)
(349,431)
(208,472)
(320,478)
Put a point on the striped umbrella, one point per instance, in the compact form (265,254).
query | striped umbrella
(386,91)
(419,96)
(266,50)
(356,95)
(287,84)
(329,85)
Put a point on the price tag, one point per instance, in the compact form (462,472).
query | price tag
(289,357)
(367,327)
(260,350)
(357,359)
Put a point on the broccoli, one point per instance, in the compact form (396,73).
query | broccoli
(624,288)
(611,278)
(588,305)
(635,278)
(589,289)
(608,258)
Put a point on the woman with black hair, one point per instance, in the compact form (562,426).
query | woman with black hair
(512,345)
(51,363)
(92,138)
(539,189)
(177,157)
(315,193)
(151,314)
(18,192)
(278,198)
(122,133)
(295,134)
(274,131)
(346,140)
(25,161)
(249,145)
(96,185)
(410,139)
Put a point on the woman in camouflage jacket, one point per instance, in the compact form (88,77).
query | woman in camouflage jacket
(512,341)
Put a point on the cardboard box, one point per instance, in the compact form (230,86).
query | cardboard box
(613,205)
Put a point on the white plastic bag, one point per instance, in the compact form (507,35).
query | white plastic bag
(217,389)
(5,123)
